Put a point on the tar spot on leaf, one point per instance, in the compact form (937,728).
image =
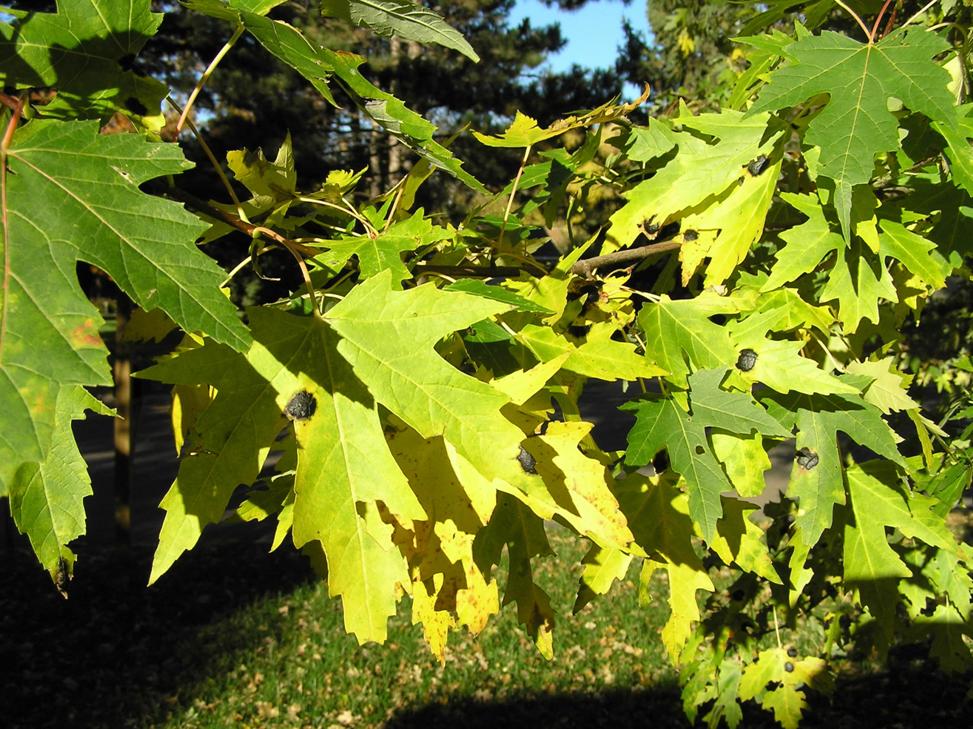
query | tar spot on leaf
(690,236)
(527,461)
(807,459)
(301,406)
(746,360)
(757,166)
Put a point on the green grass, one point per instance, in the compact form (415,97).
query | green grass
(302,669)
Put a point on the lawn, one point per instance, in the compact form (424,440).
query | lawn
(236,637)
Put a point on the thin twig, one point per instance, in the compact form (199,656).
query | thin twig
(201,206)
(856,16)
(184,116)
(587,265)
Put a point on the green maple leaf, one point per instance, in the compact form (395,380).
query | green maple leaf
(78,51)
(321,65)
(46,497)
(858,281)
(389,337)
(680,338)
(383,252)
(657,512)
(878,501)
(917,254)
(662,423)
(402,18)
(860,79)
(805,244)
(344,467)
(817,480)
(699,170)
(73,195)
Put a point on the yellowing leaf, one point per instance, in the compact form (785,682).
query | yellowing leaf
(887,390)
(699,171)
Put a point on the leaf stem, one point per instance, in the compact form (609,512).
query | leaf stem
(513,193)
(16,107)
(184,117)
(921,11)
(274,235)
(213,161)
(857,18)
(878,21)
(346,209)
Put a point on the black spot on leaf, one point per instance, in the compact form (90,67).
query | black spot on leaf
(746,360)
(807,459)
(690,235)
(757,166)
(700,450)
(789,667)
(792,652)
(527,461)
(301,406)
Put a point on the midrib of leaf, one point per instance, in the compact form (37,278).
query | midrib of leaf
(359,530)
(411,15)
(858,106)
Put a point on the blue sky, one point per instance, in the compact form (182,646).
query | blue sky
(593,33)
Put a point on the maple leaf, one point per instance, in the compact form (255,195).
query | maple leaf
(887,390)
(860,79)
(401,18)
(46,497)
(522,532)
(877,501)
(662,423)
(817,477)
(680,338)
(79,51)
(777,681)
(344,467)
(383,252)
(388,337)
(725,231)
(805,244)
(73,195)
(699,171)
(449,590)
(657,511)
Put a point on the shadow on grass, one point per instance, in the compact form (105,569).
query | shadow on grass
(658,708)
(907,695)
(118,654)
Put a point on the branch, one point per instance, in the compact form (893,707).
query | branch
(587,265)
